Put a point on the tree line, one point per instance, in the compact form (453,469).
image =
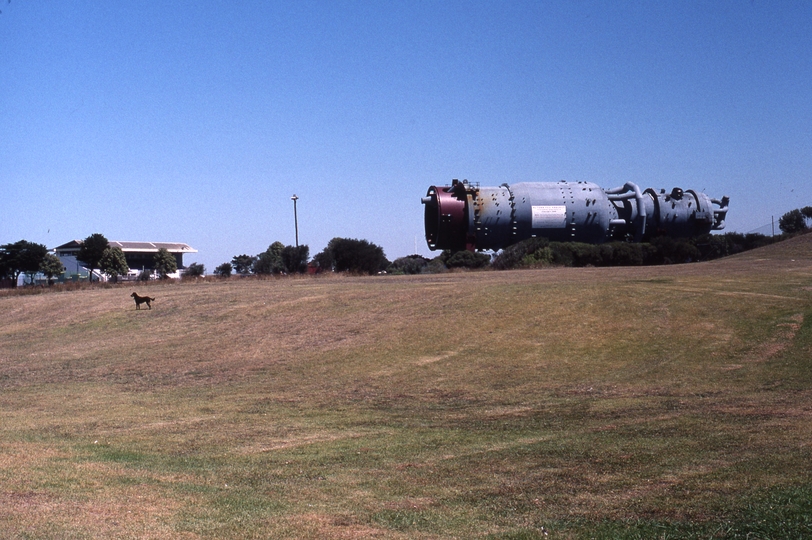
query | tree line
(95,253)
(28,258)
(363,257)
(341,255)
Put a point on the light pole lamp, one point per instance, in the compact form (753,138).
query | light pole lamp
(295,218)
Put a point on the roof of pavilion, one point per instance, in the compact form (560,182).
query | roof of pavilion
(133,247)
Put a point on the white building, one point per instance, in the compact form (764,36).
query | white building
(140,256)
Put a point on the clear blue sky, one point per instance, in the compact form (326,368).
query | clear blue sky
(196,121)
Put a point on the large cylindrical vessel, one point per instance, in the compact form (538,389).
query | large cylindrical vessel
(466,216)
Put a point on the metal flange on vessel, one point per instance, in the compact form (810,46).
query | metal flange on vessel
(467,216)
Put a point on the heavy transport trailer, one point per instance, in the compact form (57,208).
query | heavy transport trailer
(467,216)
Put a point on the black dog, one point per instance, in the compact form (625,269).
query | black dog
(141,299)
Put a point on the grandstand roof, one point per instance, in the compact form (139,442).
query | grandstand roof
(132,247)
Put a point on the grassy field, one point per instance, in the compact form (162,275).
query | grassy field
(665,402)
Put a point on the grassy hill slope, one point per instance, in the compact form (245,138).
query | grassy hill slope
(594,403)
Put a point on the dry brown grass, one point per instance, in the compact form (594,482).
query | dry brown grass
(456,405)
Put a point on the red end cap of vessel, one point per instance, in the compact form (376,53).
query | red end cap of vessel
(445,218)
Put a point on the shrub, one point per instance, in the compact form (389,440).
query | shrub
(540,257)
(628,254)
(412,264)
(675,251)
(514,256)
(467,259)
(224,270)
(436,266)
(194,270)
(536,252)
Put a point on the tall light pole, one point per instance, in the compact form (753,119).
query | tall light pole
(295,218)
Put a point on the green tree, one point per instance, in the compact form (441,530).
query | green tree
(224,270)
(324,261)
(51,266)
(294,259)
(792,222)
(91,252)
(5,269)
(243,263)
(356,256)
(194,270)
(270,261)
(165,263)
(113,263)
(21,257)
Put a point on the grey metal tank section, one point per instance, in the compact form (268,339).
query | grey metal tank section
(466,216)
